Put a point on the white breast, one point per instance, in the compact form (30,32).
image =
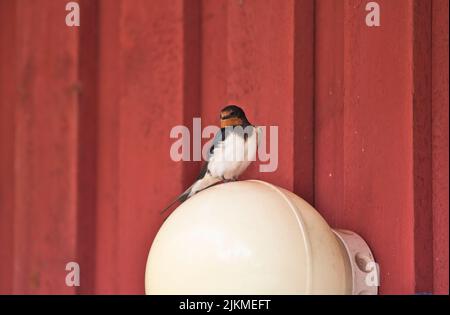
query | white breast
(231,157)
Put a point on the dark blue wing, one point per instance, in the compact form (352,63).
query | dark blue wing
(219,137)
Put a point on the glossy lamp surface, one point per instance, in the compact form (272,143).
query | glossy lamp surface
(246,237)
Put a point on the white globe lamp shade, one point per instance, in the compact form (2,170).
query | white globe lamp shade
(251,237)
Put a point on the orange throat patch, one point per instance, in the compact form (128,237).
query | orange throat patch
(230,122)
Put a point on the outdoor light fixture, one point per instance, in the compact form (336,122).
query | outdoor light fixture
(251,237)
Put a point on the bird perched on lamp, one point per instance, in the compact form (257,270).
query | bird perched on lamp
(231,152)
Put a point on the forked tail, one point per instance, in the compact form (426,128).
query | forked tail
(180,198)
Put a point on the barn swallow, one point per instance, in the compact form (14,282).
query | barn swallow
(231,152)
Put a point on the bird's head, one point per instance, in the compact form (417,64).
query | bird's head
(233,115)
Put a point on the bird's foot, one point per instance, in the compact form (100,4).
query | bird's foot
(228,180)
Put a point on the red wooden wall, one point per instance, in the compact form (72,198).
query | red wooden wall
(85,115)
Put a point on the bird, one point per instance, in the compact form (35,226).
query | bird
(231,152)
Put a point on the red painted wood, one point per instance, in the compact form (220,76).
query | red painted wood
(85,116)
(144,72)
(214,54)
(7,99)
(260,86)
(235,69)
(107,223)
(329,109)
(372,161)
(304,99)
(106,253)
(440,145)
(192,65)
(87,151)
(45,164)
(422,154)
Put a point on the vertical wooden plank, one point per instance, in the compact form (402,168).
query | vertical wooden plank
(260,49)
(214,60)
(372,122)
(267,66)
(378,138)
(147,64)
(7,101)
(329,109)
(304,99)
(45,170)
(192,71)
(107,251)
(87,154)
(440,145)
(422,155)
